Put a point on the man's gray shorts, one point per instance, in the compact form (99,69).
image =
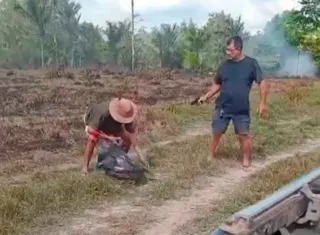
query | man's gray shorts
(221,122)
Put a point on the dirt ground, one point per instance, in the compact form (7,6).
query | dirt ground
(41,118)
(42,128)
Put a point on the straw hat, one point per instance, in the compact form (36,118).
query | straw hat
(122,110)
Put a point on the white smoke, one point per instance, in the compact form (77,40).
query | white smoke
(300,64)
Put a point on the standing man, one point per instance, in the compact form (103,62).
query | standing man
(234,80)
(110,122)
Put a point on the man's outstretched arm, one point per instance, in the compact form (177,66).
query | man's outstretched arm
(215,87)
(93,136)
(131,135)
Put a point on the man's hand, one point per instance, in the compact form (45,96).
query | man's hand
(134,143)
(202,99)
(263,110)
(111,138)
(143,159)
(114,139)
(215,88)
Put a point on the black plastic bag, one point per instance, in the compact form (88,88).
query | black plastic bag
(116,163)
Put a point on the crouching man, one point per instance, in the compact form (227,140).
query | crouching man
(109,122)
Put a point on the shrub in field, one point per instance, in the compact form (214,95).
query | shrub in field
(295,95)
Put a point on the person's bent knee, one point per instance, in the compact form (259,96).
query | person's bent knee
(244,135)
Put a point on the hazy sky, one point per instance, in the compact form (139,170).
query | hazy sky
(255,13)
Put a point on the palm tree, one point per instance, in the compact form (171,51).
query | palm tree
(38,11)
(115,33)
(164,39)
(71,17)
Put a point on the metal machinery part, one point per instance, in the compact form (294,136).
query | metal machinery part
(294,207)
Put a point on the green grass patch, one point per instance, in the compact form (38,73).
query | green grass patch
(22,205)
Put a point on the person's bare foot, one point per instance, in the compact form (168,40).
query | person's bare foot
(246,163)
(212,151)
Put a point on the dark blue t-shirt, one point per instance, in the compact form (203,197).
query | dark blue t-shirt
(236,78)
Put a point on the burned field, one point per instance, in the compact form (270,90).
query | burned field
(42,110)
(41,119)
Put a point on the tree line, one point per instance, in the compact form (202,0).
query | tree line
(40,33)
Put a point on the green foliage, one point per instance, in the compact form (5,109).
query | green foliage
(191,60)
(41,32)
(220,27)
(294,28)
(40,13)
(302,28)
(165,40)
(196,39)
(18,38)
(311,42)
(37,33)
(117,34)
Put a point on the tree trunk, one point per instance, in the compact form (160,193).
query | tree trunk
(161,53)
(72,55)
(56,50)
(132,36)
(41,51)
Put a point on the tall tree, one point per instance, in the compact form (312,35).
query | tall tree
(220,27)
(165,40)
(70,16)
(196,39)
(302,27)
(38,11)
(115,32)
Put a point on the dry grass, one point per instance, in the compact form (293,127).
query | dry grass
(257,188)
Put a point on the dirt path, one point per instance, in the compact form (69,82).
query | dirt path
(135,217)
(175,214)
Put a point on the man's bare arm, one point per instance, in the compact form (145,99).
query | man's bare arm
(91,143)
(214,89)
(134,142)
(88,154)
(263,88)
(103,135)
(262,83)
